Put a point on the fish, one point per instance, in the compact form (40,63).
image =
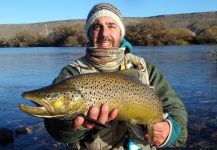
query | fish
(136,102)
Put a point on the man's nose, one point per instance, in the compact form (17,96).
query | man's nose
(104,32)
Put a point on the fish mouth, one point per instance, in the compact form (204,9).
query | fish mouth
(42,110)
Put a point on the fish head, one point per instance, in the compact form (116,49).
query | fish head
(54,101)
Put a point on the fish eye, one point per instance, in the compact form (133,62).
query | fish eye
(48,96)
(51,96)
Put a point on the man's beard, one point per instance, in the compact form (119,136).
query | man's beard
(102,40)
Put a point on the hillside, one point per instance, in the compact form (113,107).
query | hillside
(193,21)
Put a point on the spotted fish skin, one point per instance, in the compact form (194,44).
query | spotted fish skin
(135,101)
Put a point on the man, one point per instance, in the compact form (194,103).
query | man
(105,32)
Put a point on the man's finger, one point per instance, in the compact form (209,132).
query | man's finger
(156,142)
(103,116)
(146,137)
(78,121)
(158,135)
(160,126)
(93,114)
(113,114)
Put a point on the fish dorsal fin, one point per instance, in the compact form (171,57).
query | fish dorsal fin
(132,74)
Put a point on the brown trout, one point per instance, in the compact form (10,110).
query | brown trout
(136,102)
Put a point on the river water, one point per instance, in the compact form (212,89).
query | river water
(189,69)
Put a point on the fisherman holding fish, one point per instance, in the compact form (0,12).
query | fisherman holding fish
(108,51)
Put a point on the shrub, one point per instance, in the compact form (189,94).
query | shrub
(152,32)
(26,39)
(208,35)
(67,36)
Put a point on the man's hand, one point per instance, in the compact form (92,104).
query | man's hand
(161,131)
(102,116)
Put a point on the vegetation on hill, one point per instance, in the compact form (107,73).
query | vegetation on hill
(149,32)
(153,32)
(67,36)
(194,28)
(208,35)
(63,35)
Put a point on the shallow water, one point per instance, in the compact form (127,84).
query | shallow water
(189,69)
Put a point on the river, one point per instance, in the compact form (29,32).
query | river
(189,69)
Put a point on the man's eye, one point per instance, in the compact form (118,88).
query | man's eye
(112,26)
(95,27)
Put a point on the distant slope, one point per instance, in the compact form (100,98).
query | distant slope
(9,30)
(193,21)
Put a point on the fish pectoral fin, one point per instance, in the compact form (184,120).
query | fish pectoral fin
(97,123)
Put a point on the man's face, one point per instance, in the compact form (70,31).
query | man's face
(105,33)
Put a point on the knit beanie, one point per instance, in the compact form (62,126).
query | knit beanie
(104,9)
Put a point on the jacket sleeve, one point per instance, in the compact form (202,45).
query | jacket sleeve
(61,130)
(171,102)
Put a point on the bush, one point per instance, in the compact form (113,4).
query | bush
(176,36)
(152,32)
(26,39)
(208,35)
(67,36)
(3,43)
